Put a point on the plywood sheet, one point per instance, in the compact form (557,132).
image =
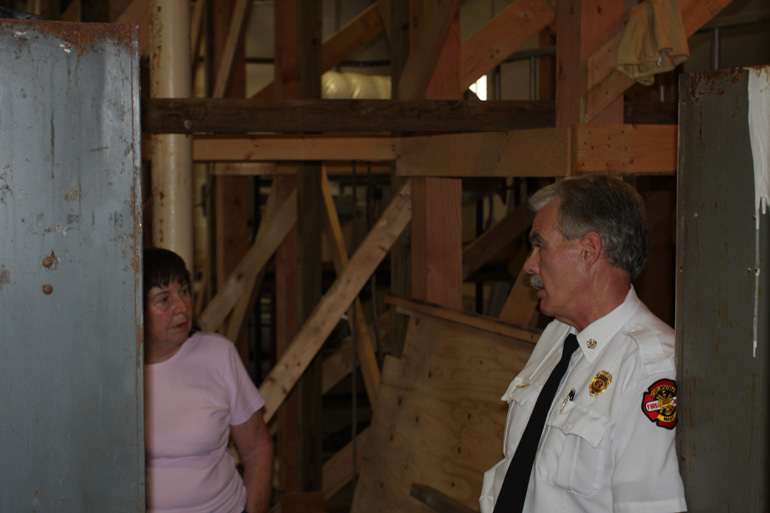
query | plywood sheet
(439,419)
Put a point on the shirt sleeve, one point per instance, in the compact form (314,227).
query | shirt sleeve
(646,476)
(245,399)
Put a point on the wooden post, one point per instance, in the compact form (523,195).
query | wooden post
(286,314)
(231,229)
(400,265)
(309,203)
(437,216)
(582,26)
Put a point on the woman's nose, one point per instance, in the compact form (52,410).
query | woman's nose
(181,305)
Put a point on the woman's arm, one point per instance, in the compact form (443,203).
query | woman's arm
(255,450)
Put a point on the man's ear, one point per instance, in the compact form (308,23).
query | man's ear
(590,249)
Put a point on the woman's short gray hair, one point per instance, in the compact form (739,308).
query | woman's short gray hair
(607,206)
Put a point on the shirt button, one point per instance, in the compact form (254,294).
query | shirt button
(568,426)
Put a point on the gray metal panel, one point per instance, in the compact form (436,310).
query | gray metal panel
(71,400)
(724,396)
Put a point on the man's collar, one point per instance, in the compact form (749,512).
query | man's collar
(595,337)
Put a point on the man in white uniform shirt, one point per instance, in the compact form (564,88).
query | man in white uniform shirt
(607,442)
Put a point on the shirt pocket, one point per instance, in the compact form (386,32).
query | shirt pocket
(521,399)
(572,455)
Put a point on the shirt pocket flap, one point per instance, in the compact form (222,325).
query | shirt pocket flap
(520,391)
(581,421)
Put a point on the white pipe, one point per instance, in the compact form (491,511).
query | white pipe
(171,176)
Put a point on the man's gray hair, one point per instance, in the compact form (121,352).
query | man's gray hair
(607,206)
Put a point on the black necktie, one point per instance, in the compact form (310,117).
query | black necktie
(514,489)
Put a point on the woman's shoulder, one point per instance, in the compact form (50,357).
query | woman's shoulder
(212,343)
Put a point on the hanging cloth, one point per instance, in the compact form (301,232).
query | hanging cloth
(654,40)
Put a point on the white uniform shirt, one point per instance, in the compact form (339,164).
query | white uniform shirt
(611,451)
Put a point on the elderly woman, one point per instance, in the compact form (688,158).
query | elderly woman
(197,396)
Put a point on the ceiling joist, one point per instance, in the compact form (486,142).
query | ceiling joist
(501,37)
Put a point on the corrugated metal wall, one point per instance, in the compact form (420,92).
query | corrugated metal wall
(71,405)
(723,271)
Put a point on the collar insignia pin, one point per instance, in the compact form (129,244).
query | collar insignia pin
(600,383)
(591,343)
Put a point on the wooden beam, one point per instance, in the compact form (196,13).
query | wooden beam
(311,336)
(356,318)
(489,243)
(503,35)
(286,325)
(230,228)
(72,13)
(538,152)
(548,152)
(286,280)
(582,27)
(352,36)
(336,367)
(293,148)
(256,258)
(309,268)
(385,15)
(252,277)
(287,169)
(625,149)
(234,39)
(338,470)
(234,115)
(605,83)
(431,33)
(437,241)
(411,306)
(196,32)
(340,45)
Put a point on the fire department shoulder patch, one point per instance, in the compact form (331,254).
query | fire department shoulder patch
(659,403)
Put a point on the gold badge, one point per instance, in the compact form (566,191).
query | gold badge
(591,343)
(600,383)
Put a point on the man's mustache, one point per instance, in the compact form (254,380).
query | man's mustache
(536,282)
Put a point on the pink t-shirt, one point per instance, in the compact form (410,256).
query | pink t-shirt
(191,400)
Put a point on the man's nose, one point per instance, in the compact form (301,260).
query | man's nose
(530,265)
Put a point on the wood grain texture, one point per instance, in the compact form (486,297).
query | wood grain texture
(503,35)
(427,41)
(439,420)
(521,306)
(234,115)
(536,152)
(338,470)
(437,241)
(356,318)
(243,148)
(240,17)
(411,306)
(626,149)
(582,27)
(313,333)
(256,258)
(494,239)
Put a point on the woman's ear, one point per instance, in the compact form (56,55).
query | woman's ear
(590,249)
